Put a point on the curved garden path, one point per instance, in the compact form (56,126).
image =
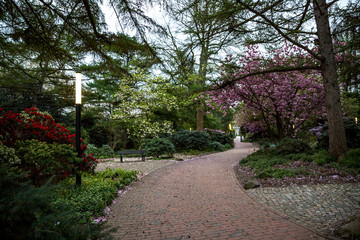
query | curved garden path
(199,199)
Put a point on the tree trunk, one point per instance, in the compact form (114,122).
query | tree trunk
(279,126)
(200,115)
(200,108)
(337,137)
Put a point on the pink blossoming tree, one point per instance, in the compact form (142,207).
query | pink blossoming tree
(280,102)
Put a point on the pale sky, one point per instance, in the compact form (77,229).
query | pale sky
(154,12)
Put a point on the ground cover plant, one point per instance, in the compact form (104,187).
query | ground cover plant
(97,191)
(293,162)
(57,211)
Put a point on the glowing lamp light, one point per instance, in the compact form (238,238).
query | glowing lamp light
(78,89)
(230,128)
(78,121)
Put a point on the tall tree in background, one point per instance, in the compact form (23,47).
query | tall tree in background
(337,137)
(347,30)
(205,38)
(99,92)
(41,40)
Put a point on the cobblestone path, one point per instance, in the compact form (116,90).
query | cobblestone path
(323,207)
(199,199)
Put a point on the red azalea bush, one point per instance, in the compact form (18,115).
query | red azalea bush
(33,124)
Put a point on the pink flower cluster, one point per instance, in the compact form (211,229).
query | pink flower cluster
(277,101)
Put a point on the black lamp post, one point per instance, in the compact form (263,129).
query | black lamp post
(78,121)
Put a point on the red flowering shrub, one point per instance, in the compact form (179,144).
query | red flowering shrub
(32,124)
(42,160)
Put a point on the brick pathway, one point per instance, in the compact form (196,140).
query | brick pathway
(198,199)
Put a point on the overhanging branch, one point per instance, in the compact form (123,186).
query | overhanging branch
(230,82)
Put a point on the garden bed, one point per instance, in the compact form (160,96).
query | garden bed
(274,169)
(315,175)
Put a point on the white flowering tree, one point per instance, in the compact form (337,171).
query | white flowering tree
(138,98)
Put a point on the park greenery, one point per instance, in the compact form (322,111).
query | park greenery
(283,72)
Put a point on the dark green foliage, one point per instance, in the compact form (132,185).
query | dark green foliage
(292,145)
(263,159)
(104,151)
(158,146)
(275,173)
(44,160)
(352,131)
(26,212)
(99,134)
(323,157)
(7,155)
(280,173)
(190,140)
(268,163)
(352,159)
(223,138)
(119,175)
(216,146)
(92,149)
(266,143)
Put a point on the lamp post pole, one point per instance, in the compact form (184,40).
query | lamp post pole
(78,122)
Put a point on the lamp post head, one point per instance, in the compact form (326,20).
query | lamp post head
(78,88)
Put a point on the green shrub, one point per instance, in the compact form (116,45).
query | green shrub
(216,146)
(43,160)
(7,155)
(27,212)
(323,157)
(158,146)
(266,143)
(96,192)
(228,146)
(249,137)
(352,131)
(92,149)
(190,140)
(352,159)
(221,137)
(292,145)
(105,151)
